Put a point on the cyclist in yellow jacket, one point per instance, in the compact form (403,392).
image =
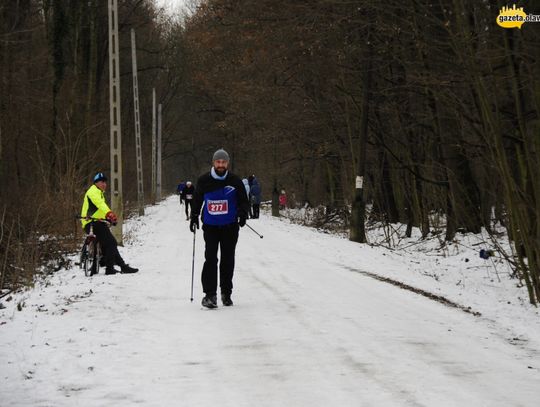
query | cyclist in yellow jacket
(95,207)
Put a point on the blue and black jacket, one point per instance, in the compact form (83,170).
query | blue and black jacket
(255,192)
(222,201)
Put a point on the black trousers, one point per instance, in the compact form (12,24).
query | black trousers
(188,203)
(224,237)
(109,246)
(256,210)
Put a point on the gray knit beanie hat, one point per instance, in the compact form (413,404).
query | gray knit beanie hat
(221,154)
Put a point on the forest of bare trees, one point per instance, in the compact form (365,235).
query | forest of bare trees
(54,117)
(430,106)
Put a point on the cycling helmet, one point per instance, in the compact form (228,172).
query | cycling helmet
(99,177)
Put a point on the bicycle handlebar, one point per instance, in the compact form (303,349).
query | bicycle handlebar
(93,219)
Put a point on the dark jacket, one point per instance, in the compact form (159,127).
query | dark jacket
(187,193)
(224,200)
(255,192)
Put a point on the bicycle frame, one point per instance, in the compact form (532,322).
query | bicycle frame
(91,249)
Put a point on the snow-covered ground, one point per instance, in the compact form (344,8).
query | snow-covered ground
(308,328)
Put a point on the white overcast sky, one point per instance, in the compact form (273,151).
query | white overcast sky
(172,5)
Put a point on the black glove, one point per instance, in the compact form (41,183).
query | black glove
(242,220)
(194,223)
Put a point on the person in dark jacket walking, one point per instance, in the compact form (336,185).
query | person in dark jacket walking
(186,196)
(180,187)
(225,205)
(255,196)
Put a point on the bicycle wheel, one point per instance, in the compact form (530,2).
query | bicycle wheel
(90,264)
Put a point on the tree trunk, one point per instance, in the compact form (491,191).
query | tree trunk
(358,212)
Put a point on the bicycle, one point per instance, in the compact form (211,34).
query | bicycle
(91,252)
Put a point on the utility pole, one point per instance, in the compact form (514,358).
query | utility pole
(158,166)
(116,131)
(140,189)
(153,145)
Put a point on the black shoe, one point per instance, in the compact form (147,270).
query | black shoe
(226,300)
(102,262)
(126,269)
(209,301)
(110,270)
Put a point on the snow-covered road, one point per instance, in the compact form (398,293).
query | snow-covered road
(305,330)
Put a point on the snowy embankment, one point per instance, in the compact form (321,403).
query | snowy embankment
(307,328)
(454,271)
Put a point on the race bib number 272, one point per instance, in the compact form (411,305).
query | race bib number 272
(218,207)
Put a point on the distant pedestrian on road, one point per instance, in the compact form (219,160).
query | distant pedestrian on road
(245,181)
(187,197)
(255,196)
(282,199)
(179,188)
(225,204)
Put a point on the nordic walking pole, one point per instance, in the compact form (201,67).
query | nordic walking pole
(192,266)
(258,234)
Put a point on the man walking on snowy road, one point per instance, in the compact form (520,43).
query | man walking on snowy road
(226,208)
(255,196)
(187,197)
